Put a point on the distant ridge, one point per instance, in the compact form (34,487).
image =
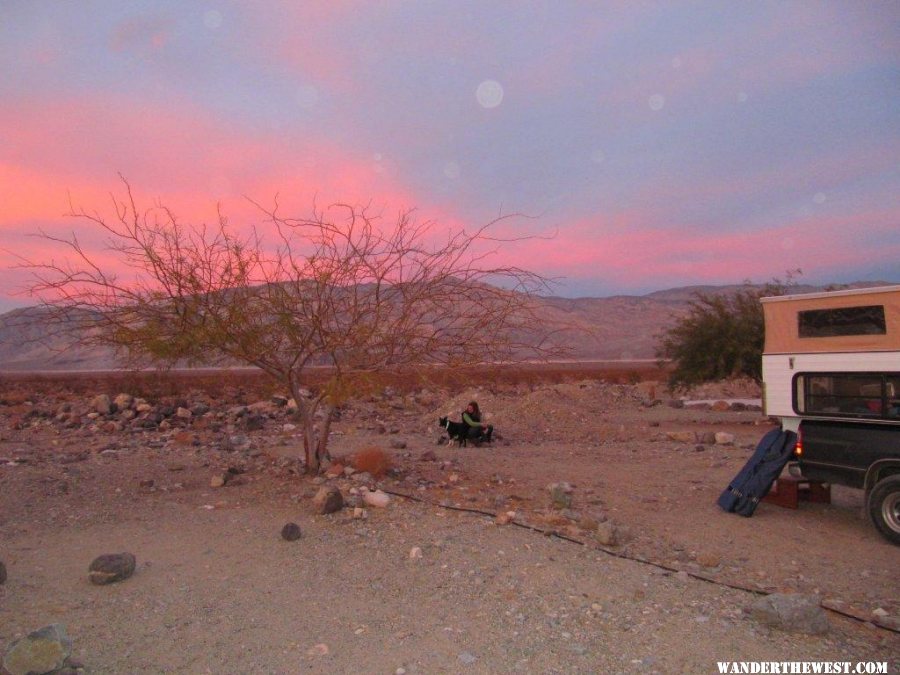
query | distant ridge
(615,327)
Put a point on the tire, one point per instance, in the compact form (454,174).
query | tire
(884,508)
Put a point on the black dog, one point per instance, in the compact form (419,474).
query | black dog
(457,431)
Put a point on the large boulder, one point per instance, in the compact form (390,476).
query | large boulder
(43,651)
(111,567)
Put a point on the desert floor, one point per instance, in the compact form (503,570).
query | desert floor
(637,575)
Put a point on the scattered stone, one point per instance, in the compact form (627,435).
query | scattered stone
(607,533)
(377,498)
(101,404)
(359,513)
(219,480)
(505,517)
(560,495)
(724,438)
(328,500)
(43,651)
(428,456)
(123,401)
(793,612)
(707,438)
(334,471)
(111,567)
(147,483)
(707,559)
(320,649)
(415,553)
(398,444)
(183,413)
(466,658)
(290,532)
(681,436)
(720,406)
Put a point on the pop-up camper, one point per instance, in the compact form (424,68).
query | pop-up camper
(831,372)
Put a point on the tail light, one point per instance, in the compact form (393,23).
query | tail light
(798,449)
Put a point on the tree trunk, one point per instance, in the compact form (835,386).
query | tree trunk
(322,441)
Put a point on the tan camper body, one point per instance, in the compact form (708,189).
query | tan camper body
(815,334)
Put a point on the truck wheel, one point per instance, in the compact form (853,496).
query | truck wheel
(884,508)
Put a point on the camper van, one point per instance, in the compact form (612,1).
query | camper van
(831,373)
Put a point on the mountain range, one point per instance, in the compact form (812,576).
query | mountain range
(619,327)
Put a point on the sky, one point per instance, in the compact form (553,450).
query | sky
(646,145)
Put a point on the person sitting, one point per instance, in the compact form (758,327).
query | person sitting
(477,430)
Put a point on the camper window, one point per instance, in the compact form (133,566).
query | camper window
(848,395)
(817,323)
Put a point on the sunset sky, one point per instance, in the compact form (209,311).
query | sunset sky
(661,143)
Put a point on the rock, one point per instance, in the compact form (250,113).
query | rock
(255,422)
(334,471)
(360,513)
(183,413)
(607,533)
(466,658)
(218,480)
(123,401)
(43,651)
(707,559)
(505,517)
(290,532)
(377,498)
(328,500)
(415,553)
(793,612)
(141,407)
(720,406)
(320,649)
(2,573)
(398,444)
(737,406)
(560,495)
(724,438)
(707,438)
(428,456)
(681,436)
(111,567)
(101,404)
(676,403)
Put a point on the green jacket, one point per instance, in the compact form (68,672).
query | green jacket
(468,419)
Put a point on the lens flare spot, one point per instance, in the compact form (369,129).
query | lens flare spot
(212,19)
(489,94)
(656,102)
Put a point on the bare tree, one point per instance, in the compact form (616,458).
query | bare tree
(343,288)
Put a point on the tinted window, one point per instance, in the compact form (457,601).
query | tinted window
(844,321)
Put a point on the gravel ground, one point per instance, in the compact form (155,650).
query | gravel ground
(415,587)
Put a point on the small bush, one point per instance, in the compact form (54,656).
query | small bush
(374,461)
